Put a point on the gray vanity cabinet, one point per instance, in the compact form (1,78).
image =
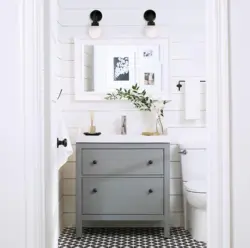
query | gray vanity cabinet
(122,181)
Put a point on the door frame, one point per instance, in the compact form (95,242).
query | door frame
(36,97)
(219,124)
(31,42)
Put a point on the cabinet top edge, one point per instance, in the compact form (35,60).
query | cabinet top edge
(123,139)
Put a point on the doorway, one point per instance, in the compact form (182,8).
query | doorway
(219,141)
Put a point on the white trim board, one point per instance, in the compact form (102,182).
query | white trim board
(218,122)
(31,12)
(219,222)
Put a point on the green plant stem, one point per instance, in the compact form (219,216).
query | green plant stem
(160,123)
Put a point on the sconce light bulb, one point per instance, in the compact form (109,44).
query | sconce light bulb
(151,31)
(95,32)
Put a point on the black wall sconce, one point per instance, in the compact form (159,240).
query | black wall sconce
(95,30)
(150,29)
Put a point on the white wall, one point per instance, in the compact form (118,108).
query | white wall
(240,54)
(183,22)
(12,189)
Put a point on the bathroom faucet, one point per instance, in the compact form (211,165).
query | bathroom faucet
(124,125)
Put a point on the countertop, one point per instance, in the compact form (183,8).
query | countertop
(122,139)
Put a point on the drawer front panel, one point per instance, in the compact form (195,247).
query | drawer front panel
(122,161)
(122,196)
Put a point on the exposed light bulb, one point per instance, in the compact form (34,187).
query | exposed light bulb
(95,32)
(151,31)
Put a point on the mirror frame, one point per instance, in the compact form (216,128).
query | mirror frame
(82,95)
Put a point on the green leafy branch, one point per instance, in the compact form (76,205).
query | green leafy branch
(138,97)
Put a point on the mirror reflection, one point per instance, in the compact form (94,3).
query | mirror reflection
(107,67)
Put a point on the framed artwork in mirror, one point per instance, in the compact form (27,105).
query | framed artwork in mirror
(120,66)
(149,53)
(150,76)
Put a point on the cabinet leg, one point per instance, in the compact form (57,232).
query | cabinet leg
(78,229)
(185,208)
(167,232)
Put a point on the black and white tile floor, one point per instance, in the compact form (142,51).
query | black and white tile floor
(128,238)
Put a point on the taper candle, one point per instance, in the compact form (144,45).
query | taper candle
(92,118)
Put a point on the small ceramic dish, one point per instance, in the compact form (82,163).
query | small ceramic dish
(92,134)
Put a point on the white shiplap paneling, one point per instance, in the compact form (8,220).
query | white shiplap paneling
(131,4)
(112,119)
(67,84)
(68,103)
(67,34)
(187,68)
(188,50)
(80,17)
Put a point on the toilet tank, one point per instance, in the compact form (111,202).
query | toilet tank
(194,162)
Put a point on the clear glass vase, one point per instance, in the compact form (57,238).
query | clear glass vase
(159,125)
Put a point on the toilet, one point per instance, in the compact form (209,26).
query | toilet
(194,177)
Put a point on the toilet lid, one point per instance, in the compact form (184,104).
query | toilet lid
(196,186)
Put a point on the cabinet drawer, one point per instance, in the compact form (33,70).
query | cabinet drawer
(122,161)
(122,196)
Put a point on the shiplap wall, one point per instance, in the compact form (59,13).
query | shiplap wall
(183,23)
(61,208)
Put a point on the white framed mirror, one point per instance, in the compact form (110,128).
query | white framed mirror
(101,66)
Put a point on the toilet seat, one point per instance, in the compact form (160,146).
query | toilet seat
(198,186)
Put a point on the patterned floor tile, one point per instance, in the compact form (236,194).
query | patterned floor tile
(128,238)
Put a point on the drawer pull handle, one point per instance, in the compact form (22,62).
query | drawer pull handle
(94,162)
(150,162)
(94,190)
(150,191)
